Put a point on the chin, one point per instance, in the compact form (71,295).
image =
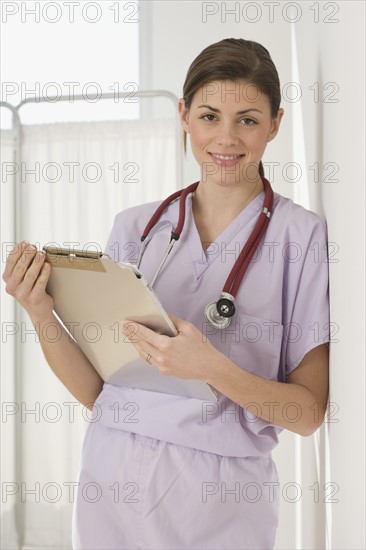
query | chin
(225,182)
(235,176)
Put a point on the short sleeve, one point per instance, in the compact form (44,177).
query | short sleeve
(112,248)
(124,241)
(306,292)
(120,247)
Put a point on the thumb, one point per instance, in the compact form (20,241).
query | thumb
(176,321)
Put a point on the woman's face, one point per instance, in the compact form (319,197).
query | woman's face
(230,125)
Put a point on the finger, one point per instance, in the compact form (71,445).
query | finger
(13,258)
(178,323)
(149,350)
(23,291)
(32,273)
(34,268)
(21,268)
(174,318)
(142,348)
(142,334)
(131,330)
(44,273)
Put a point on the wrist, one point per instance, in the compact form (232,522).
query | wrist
(42,318)
(219,369)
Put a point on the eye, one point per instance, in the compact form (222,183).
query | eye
(249,121)
(204,117)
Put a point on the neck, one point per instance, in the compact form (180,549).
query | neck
(215,201)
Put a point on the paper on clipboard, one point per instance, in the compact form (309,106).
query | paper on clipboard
(93,296)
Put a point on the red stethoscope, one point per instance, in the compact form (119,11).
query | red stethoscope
(219,313)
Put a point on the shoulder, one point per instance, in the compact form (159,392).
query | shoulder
(128,227)
(295,220)
(135,218)
(138,212)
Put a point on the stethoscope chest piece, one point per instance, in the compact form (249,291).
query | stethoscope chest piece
(219,313)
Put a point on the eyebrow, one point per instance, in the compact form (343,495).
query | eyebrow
(218,110)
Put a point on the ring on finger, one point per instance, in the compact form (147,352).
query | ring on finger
(148,358)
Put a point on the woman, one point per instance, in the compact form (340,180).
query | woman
(165,471)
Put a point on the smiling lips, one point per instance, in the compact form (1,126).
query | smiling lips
(225,160)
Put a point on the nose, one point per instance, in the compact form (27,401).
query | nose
(227,135)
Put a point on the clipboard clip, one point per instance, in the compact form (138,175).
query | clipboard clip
(86,254)
(80,259)
(77,259)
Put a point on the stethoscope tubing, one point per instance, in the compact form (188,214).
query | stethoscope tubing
(182,193)
(240,266)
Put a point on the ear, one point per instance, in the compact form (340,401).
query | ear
(275,125)
(184,115)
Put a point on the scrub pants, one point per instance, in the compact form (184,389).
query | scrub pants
(136,492)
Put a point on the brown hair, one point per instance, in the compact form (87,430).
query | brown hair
(234,59)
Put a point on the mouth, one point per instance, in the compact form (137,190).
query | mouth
(226,160)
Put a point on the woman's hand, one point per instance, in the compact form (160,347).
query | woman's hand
(187,355)
(26,275)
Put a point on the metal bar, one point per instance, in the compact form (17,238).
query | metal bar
(142,93)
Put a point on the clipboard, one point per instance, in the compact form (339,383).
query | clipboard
(93,296)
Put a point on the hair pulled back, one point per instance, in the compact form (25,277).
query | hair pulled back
(234,59)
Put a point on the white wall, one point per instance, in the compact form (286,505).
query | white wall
(334,55)
(330,47)
(342,59)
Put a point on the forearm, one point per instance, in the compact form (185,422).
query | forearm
(67,361)
(290,406)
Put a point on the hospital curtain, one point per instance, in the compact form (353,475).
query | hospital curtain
(73,178)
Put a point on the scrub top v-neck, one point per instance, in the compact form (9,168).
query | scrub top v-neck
(203,258)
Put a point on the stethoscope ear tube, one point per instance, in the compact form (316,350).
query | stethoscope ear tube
(182,193)
(163,260)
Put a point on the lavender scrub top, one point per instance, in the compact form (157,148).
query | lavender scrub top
(282,312)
